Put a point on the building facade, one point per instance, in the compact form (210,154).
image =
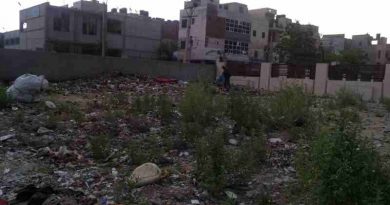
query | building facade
(88,28)
(267,29)
(208,28)
(335,43)
(11,40)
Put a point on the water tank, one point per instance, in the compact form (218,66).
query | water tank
(144,13)
(123,10)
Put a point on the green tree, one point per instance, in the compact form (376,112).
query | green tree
(351,56)
(298,45)
(166,49)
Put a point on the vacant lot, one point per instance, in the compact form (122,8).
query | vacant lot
(212,147)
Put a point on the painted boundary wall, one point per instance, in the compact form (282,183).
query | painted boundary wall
(321,85)
(60,67)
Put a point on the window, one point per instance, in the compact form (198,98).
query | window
(236,47)
(61,23)
(114,26)
(182,44)
(254,33)
(256,54)
(241,9)
(360,44)
(226,7)
(184,23)
(379,54)
(89,25)
(206,43)
(193,20)
(263,34)
(237,27)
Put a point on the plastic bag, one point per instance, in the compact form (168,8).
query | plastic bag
(27,88)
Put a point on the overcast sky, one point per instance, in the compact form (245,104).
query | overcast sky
(332,16)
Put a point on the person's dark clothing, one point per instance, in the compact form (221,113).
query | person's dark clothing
(227,76)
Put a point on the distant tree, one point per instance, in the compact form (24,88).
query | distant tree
(298,46)
(166,49)
(351,56)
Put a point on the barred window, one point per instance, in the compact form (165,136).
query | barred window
(238,27)
(236,47)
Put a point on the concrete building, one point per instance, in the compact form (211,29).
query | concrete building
(335,43)
(213,27)
(380,51)
(11,40)
(87,28)
(267,28)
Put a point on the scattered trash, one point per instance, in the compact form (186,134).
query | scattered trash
(275,140)
(6,137)
(231,195)
(147,173)
(6,171)
(3,202)
(43,130)
(233,142)
(50,105)
(165,80)
(27,88)
(195,201)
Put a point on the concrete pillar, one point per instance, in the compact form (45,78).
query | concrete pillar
(386,82)
(321,79)
(265,76)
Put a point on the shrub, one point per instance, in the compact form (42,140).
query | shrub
(100,147)
(289,106)
(199,111)
(143,104)
(165,109)
(341,169)
(386,103)
(245,110)
(70,111)
(4,101)
(219,166)
(347,98)
(146,150)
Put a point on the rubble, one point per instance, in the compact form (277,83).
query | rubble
(146,174)
(48,147)
(27,88)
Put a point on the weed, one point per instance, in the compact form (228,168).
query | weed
(100,147)
(218,166)
(386,103)
(4,100)
(347,98)
(199,110)
(69,111)
(149,150)
(165,109)
(245,110)
(143,104)
(288,107)
(341,169)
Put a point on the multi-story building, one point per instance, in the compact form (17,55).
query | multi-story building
(335,43)
(208,27)
(88,28)
(11,40)
(267,28)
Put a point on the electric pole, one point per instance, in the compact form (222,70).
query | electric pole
(190,9)
(104,28)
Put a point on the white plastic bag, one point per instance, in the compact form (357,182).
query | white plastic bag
(27,88)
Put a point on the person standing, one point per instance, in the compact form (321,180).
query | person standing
(226,74)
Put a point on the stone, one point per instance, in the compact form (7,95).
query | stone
(43,130)
(275,140)
(145,174)
(233,142)
(50,105)
(195,201)
(231,195)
